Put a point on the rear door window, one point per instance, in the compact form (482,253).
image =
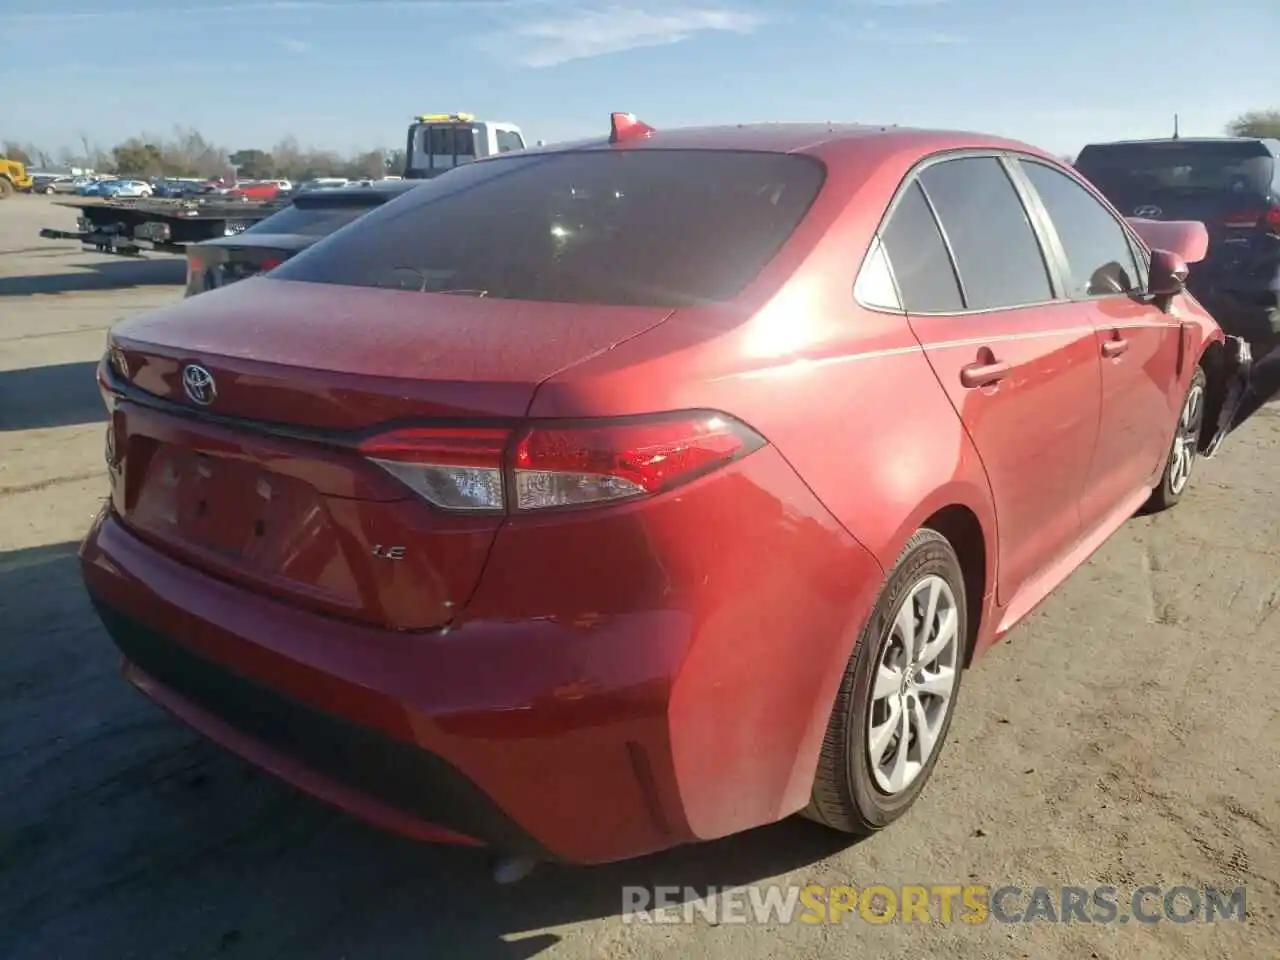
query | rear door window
(922,268)
(636,227)
(1098,248)
(995,248)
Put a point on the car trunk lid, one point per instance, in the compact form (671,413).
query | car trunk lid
(218,263)
(250,470)
(320,356)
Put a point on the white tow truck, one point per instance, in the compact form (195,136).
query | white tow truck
(438,142)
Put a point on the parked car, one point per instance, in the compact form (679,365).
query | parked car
(96,186)
(623,494)
(1232,184)
(126,188)
(274,239)
(55,185)
(178,188)
(322,183)
(255,190)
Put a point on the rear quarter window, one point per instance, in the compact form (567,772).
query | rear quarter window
(627,227)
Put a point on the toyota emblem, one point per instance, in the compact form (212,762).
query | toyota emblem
(199,385)
(1150,210)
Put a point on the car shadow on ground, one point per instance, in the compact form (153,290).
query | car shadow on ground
(60,395)
(126,835)
(104,275)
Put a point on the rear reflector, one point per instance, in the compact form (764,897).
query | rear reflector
(559,465)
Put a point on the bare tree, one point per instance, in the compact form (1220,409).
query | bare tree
(1256,123)
(12,150)
(186,152)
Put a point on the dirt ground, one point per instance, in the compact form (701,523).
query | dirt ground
(1127,734)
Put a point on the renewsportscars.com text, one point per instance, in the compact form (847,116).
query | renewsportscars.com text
(934,903)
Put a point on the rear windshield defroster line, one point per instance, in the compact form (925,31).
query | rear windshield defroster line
(663,228)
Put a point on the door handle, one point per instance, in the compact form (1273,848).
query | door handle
(1114,348)
(983,373)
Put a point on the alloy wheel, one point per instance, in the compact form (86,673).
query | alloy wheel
(914,685)
(1186,440)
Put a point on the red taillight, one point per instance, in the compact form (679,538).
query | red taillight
(565,466)
(559,465)
(1268,219)
(269,263)
(194,267)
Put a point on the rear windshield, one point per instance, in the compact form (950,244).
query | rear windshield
(629,228)
(310,220)
(1171,167)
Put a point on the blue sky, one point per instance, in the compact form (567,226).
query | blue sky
(341,74)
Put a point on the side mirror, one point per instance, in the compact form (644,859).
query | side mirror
(1168,274)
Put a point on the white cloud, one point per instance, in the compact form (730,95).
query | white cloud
(594,32)
(295,46)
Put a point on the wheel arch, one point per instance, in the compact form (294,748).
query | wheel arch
(964,514)
(963,530)
(1213,361)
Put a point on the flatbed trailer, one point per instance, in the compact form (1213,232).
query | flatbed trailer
(133,227)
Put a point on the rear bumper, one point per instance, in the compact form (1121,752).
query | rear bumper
(384,780)
(588,739)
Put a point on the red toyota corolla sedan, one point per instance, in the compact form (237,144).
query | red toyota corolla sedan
(611,496)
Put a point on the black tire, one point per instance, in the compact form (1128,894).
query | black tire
(845,795)
(6,188)
(1176,475)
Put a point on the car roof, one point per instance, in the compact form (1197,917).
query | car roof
(1271,145)
(826,139)
(379,189)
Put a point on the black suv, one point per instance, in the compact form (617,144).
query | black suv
(1232,185)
